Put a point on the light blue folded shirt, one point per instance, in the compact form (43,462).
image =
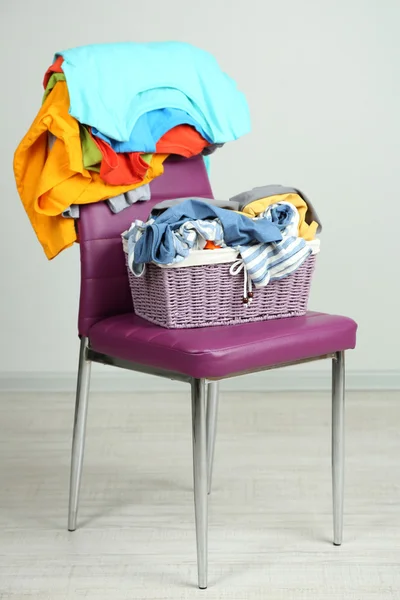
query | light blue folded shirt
(112,85)
(150,127)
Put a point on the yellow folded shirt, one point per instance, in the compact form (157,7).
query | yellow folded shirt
(49,181)
(306,231)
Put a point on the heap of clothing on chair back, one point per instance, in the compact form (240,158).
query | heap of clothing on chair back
(111,115)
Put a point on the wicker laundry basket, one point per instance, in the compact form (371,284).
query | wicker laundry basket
(204,295)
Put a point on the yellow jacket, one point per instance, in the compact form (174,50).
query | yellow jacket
(306,231)
(49,181)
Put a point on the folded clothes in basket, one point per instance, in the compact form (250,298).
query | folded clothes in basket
(272,261)
(269,251)
(254,202)
(191,235)
(157,242)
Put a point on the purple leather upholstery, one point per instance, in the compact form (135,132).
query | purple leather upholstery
(104,280)
(222,351)
(107,319)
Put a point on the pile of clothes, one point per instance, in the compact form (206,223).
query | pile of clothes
(272,228)
(111,114)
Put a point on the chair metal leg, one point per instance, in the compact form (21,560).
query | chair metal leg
(212,416)
(200,476)
(78,440)
(338,405)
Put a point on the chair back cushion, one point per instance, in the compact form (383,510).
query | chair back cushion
(104,281)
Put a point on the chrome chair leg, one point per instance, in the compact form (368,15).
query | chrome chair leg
(78,440)
(212,416)
(338,404)
(200,476)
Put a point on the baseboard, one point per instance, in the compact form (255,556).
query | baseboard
(113,380)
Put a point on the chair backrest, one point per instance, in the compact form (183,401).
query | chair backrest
(104,281)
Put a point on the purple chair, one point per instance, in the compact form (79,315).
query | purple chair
(112,334)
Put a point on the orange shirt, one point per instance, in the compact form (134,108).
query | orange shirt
(183,140)
(211,246)
(48,182)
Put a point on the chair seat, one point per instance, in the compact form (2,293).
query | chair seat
(221,351)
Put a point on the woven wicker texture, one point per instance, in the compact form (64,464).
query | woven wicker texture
(209,295)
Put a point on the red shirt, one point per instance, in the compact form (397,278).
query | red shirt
(54,68)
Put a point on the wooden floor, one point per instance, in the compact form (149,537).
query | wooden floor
(270,511)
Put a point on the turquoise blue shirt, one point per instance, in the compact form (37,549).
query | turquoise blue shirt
(112,85)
